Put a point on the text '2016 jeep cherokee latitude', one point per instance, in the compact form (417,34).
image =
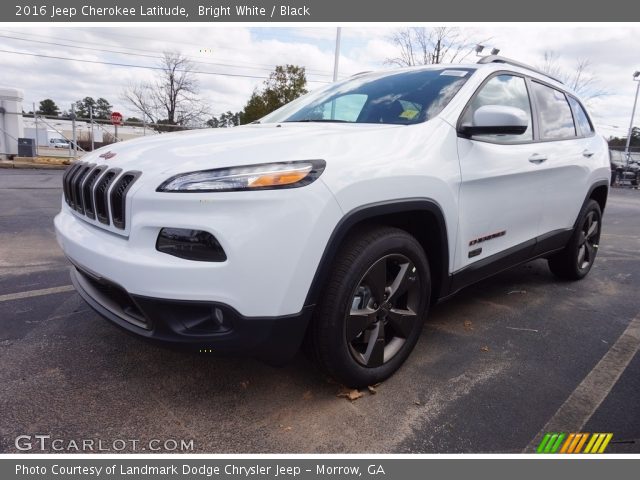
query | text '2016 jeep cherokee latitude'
(341,216)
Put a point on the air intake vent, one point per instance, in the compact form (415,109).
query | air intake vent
(119,197)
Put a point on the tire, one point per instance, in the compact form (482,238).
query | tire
(357,338)
(575,261)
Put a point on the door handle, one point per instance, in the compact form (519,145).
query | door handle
(537,158)
(587,153)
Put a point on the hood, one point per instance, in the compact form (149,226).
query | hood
(173,153)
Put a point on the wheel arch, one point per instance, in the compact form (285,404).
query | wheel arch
(599,192)
(421,217)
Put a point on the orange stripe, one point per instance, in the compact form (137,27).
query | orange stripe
(582,441)
(567,442)
(577,438)
(606,442)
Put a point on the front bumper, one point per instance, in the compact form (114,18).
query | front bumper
(197,325)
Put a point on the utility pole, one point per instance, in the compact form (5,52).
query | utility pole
(337,54)
(636,78)
(336,61)
(35,119)
(91,123)
(73,129)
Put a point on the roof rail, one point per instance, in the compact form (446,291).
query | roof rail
(361,73)
(499,59)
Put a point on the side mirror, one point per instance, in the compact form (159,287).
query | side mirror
(497,120)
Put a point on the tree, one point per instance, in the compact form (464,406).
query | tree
(621,142)
(285,83)
(102,109)
(134,121)
(227,119)
(48,108)
(579,78)
(82,107)
(172,99)
(430,45)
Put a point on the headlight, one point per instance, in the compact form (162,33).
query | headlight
(265,176)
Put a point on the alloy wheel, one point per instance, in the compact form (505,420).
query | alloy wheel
(588,241)
(383,311)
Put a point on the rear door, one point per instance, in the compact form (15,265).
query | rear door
(500,207)
(566,146)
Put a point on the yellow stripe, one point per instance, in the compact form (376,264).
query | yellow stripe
(582,440)
(596,445)
(606,442)
(594,437)
(569,439)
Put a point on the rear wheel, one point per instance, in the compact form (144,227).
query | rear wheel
(576,260)
(373,307)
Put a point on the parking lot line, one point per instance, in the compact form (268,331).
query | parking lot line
(576,411)
(35,293)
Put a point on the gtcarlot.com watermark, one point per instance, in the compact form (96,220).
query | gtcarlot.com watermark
(47,443)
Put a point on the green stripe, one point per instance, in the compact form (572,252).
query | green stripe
(558,442)
(543,443)
(552,440)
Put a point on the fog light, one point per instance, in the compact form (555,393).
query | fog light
(190,244)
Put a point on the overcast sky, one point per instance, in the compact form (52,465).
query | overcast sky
(612,51)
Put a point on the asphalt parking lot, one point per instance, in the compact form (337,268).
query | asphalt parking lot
(496,366)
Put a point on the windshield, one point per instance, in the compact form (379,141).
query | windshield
(402,98)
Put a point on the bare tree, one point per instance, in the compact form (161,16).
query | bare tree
(425,46)
(173,97)
(580,78)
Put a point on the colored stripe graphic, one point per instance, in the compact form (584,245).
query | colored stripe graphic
(574,442)
(568,442)
(605,442)
(581,443)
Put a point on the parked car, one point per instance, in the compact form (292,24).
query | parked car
(341,217)
(59,143)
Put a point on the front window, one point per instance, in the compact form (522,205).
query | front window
(401,98)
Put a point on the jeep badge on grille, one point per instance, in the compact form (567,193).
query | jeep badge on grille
(108,155)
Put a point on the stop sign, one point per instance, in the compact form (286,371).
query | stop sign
(116,118)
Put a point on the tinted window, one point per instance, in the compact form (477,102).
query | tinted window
(404,97)
(582,120)
(556,120)
(504,90)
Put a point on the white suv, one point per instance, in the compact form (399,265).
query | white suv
(340,217)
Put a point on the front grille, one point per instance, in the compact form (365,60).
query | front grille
(86,190)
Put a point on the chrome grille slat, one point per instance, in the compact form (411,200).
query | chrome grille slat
(98,192)
(87,191)
(101,199)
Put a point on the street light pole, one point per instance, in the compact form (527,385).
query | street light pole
(636,78)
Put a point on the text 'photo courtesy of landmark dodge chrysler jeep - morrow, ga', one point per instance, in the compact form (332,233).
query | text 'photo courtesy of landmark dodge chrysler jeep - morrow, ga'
(337,220)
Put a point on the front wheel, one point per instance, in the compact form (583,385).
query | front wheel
(373,307)
(576,260)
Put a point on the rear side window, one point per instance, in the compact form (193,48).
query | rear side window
(582,120)
(556,120)
(505,90)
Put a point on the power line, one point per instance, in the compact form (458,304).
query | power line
(315,71)
(148,67)
(137,54)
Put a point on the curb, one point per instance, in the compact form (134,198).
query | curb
(31,165)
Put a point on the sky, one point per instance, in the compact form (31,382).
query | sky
(238,59)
